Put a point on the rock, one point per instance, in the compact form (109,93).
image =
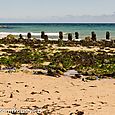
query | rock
(70,73)
(91,78)
(11,95)
(37,72)
(73,74)
(80,113)
(87,39)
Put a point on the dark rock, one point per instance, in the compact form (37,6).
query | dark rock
(11,95)
(37,72)
(34,93)
(80,113)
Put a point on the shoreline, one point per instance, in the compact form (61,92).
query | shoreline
(66,78)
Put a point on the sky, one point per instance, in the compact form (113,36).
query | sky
(57,10)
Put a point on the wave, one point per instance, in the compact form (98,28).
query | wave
(24,33)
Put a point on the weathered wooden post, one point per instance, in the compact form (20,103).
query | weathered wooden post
(29,35)
(20,36)
(107,35)
(70,37)
(42,34)
(60,40)
(93,36)
(61,35)
(76,35)
(45,38)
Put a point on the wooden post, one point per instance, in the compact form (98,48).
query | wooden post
(29,35)
(46,38)
(61,35)
(93,36)
(20,36)
(76,35)
(42,34)
(70,37)
(107,35)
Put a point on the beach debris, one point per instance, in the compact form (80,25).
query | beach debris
(76,105)
(40,72)
(45,91)
(42,34)
(102,102)
(11,95)
(26,86)
(53,72)
(57,92)
(30,100)
(77,113)
(80,113)
(93,86)
(107,35)
(10,36)
(17,91)
(29,35)
(18,82)
(76,35)
(2,93)
(87,38)
(91,78)
(34,93)
(8,50)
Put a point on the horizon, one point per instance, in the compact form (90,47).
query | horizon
(57,22)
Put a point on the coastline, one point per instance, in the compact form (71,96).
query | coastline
(32,75)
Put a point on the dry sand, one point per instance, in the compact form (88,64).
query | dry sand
(64,95)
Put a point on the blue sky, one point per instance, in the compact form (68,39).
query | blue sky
(57,10)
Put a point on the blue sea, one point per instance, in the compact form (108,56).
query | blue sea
(52,29)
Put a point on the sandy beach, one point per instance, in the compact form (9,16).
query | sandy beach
(32,76)
(62,95)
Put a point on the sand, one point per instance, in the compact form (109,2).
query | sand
(63,95)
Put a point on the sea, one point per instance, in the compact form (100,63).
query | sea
(52,29)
